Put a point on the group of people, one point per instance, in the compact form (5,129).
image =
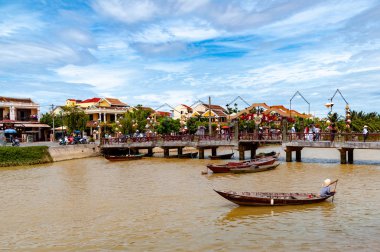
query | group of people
(312,132)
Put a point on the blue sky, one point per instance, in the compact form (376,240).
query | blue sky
(152,52)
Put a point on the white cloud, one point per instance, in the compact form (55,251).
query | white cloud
(189,6)
(169,67)
(17,53)
(127,11)
(325,16)
(100,76)
(18,23)
(187,31)
(172,97)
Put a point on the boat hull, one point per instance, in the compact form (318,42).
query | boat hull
(255,168)
(188,155)
(271,199)
(232,165)
(124,158)
(223,156)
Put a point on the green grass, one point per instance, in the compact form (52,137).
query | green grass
(14,156)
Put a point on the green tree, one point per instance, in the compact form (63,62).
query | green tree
(232,110)
(75,118)
(133,120)
(168,125)
(47,118)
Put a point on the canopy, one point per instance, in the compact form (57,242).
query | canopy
(10,131)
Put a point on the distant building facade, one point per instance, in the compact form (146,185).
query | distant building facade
(22,114)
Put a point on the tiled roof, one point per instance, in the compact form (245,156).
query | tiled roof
(163,113)
(213,107)
(116,102)
(188,108)
(95,99)
(11,99)
(74,100)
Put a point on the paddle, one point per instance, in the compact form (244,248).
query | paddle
(336,183)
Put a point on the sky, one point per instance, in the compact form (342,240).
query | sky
(154,52)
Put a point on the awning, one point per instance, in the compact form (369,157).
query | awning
(60,128)
(32,125)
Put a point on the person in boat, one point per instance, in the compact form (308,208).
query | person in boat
(326,190)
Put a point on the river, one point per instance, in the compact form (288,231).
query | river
(158,204)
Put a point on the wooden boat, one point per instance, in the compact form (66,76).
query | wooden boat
(227,167)
(255,168)
(188,155)
(222,156)
(270,198)
(124,157)
(268,154)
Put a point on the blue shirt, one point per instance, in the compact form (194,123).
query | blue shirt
(325,191)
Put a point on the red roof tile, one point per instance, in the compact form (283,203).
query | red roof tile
(95,99)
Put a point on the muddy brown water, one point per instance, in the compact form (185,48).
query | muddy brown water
(158,204)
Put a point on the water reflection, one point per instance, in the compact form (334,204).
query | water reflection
(245,212)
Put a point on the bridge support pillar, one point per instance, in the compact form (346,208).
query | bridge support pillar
(288,155)
(150,152)
(241,153)
(201,153)
(250,146)
(343,156)
(298,155)
(166,152)
(289,151)
(179,151)
(213,151)
(350,156)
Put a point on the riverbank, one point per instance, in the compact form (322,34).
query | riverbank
(14,156)
(31,155)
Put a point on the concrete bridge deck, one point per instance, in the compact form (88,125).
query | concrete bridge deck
(346,148)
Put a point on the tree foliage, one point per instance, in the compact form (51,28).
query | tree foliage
(75,119)
(168,125)
(47,118)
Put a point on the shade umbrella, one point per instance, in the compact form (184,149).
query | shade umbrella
(10,131)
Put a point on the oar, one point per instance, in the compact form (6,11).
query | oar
(336,183)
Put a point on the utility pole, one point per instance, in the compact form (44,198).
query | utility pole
(52,114)
(209,115)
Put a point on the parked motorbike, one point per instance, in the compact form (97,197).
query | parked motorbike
(62,141)
(82,141)
(15,142)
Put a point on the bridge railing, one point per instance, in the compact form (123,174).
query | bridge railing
(337,137)
(277,136)
(164,138)
(264,136)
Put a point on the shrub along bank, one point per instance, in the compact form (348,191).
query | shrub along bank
(13,156)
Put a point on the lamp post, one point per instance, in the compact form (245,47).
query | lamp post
(99,129)
(61,114)
(347,108)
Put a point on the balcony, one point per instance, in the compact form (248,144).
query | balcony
(27,119)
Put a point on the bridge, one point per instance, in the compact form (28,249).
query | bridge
(167,143)
(345,143)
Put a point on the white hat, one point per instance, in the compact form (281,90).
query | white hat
(326,182)
(365,126)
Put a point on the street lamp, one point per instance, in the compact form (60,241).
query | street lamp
(61,114)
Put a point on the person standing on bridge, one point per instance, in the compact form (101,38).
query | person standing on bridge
(365,132)
(333,131)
